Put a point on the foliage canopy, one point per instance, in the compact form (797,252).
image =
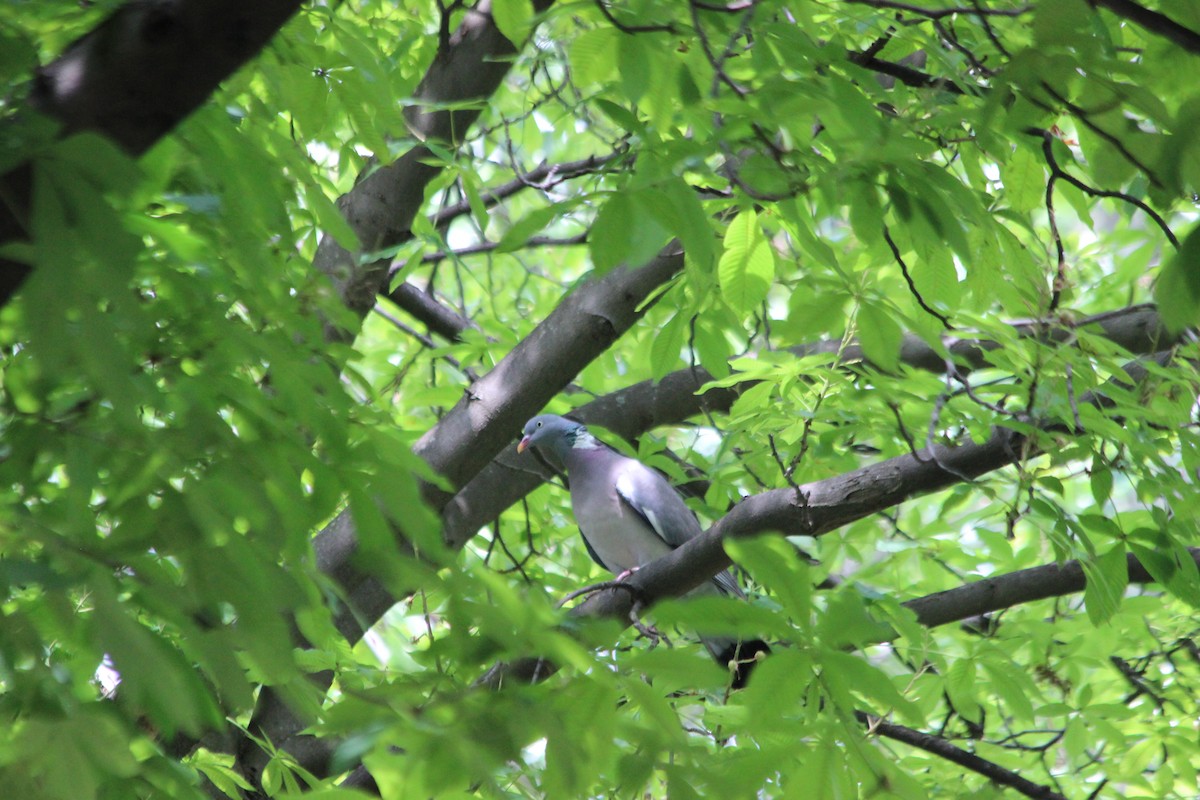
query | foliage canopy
(899,295)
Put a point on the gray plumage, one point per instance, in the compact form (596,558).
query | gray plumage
(629,515)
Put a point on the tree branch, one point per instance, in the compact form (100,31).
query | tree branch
(1154,22)
(632,411)
(584,325)
(965,602)
(487,247)
(1013,589)
(956,755)
(813,509)
(493,409)
(382,205)
(132,80)
(939,13)
(468,66)
(423,306)
(908,75)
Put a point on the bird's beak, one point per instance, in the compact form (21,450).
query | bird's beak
(524,445)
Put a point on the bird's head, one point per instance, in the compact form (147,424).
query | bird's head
(551,432)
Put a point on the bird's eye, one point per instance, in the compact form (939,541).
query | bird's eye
(539,424)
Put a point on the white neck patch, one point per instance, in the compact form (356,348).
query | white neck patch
(584,441)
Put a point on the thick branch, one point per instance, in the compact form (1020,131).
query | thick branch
(813,509)
(133,79)
(493,409)
(941,608)
(632,411)
(468,66)
(584,325)
(382,206)
(1013,589)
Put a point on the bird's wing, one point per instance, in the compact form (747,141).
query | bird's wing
(654,499)
(592,552)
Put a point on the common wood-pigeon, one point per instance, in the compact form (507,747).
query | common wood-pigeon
(630,515)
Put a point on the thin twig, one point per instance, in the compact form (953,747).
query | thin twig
(487,247)
(956,755)
(912,287)
(1052,162)
(939,13)
(668,27)
(542,177)
(1084,116)
(1060,274)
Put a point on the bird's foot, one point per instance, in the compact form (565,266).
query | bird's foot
(627,573)
(651,633)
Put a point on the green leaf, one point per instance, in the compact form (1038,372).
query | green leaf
(513,18)
(1011,684)
(961,687)
(1024,179)
(880,336)
(330,218)
(747,266)
(812,315)
(685,217)
(634,63)
(625,232)
(712,348)
(775,563)
(226,779)
(154,676)
(1168,562)
(1059,22)
(621,115)
(1107,577)
(530,225)
(99,160)
(1101,480)
(852,673)
(847,620)
(338,793)
(667,345)
(593,55)
(479,213)
(1177,292)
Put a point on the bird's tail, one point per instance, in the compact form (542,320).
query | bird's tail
(740,656)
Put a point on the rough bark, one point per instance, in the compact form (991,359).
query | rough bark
(632,411)
(469,65)
(492,410)
(133,79)
(421,305)
(381,207)
(1013,589)
(813,509)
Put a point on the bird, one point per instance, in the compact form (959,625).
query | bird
(630,515)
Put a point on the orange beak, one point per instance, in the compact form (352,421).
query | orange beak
(524,445)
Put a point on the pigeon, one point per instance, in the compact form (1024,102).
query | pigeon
(630,515)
